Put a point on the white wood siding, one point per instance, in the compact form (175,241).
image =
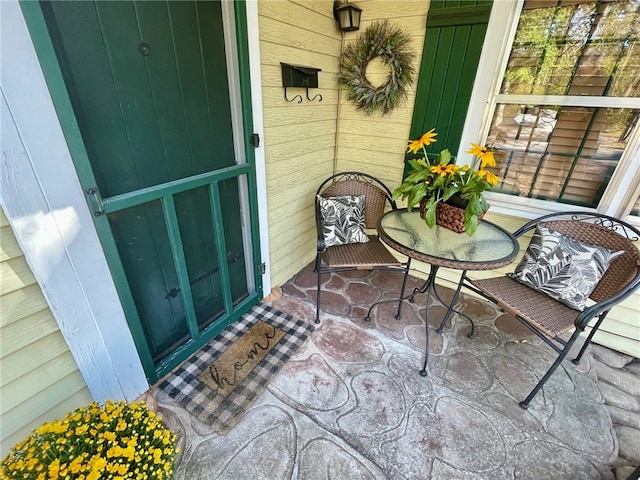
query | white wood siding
(39,379)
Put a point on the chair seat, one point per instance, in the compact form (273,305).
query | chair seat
(552,317)
(360,255)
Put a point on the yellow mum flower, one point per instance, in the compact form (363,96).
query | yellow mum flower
(76,465)
(97,463)
(93,475)
(426,139)
(54,469)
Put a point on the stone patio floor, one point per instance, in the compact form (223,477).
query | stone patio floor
(352,405)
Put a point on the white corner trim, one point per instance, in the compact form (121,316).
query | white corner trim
(253,34)
(43,201)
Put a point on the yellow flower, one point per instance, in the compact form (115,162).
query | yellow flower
(76,465)
(97,463)
(489,177)
(93,475)
(426,139)
(444,170)
(483,153)
(54,468)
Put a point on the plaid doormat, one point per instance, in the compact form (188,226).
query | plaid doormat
(222,413)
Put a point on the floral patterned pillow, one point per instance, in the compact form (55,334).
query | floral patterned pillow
(342,220)
(563,268)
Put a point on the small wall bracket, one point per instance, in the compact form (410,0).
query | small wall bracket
(298,76)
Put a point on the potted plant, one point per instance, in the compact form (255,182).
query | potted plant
(114,440)
(449,195)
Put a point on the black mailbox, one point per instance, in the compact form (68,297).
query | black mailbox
(299,76)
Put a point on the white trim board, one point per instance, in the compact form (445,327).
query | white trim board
(43,201)
(253,38)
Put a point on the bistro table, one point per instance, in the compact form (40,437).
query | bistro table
(489,248)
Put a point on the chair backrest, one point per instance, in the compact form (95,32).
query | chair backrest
(376,193)
(603,231)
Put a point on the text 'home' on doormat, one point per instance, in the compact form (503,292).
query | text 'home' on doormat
(220,397)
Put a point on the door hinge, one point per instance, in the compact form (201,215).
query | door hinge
(263,268)
(97,200)
(254,140)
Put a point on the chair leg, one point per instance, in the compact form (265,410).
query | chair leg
(404,284)
(525,403)
(318,294)
(586,343)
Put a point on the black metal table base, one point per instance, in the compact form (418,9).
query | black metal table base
(429,286)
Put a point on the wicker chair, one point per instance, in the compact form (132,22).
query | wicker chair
(357,256)
(550,319)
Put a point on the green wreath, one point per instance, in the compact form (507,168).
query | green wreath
(389,43)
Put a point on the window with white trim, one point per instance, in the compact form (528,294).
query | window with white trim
(635,209)
(569,103)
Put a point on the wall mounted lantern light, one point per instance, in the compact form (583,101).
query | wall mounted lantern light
(347,15)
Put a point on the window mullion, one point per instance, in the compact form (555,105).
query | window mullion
(570,100)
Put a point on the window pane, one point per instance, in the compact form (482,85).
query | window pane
(565,154)
(576,48)
(635,210)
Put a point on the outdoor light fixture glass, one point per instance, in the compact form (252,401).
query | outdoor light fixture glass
(347,15)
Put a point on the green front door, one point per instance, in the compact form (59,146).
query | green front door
(166,170)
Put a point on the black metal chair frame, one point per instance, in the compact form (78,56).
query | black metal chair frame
(598,310)
(322,268)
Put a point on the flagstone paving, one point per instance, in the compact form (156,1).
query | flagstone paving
(352,405)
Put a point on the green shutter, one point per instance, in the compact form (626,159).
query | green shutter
(452,47)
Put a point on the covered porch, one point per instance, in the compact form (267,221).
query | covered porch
(351,403)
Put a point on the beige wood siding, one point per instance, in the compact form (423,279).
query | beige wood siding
(299,138)
(39,379)
(376,144)
(303,140)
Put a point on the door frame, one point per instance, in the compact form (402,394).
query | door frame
(45,187)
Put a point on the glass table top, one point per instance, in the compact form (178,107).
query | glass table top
(489,247)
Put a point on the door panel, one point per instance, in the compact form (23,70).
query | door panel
(149,88)
(145,252)
(233,237)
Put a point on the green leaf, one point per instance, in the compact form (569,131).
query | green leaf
(444,157)
(430,214)
(475,207)
(417,194)
(414,164)
(471,224)
(448,193)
